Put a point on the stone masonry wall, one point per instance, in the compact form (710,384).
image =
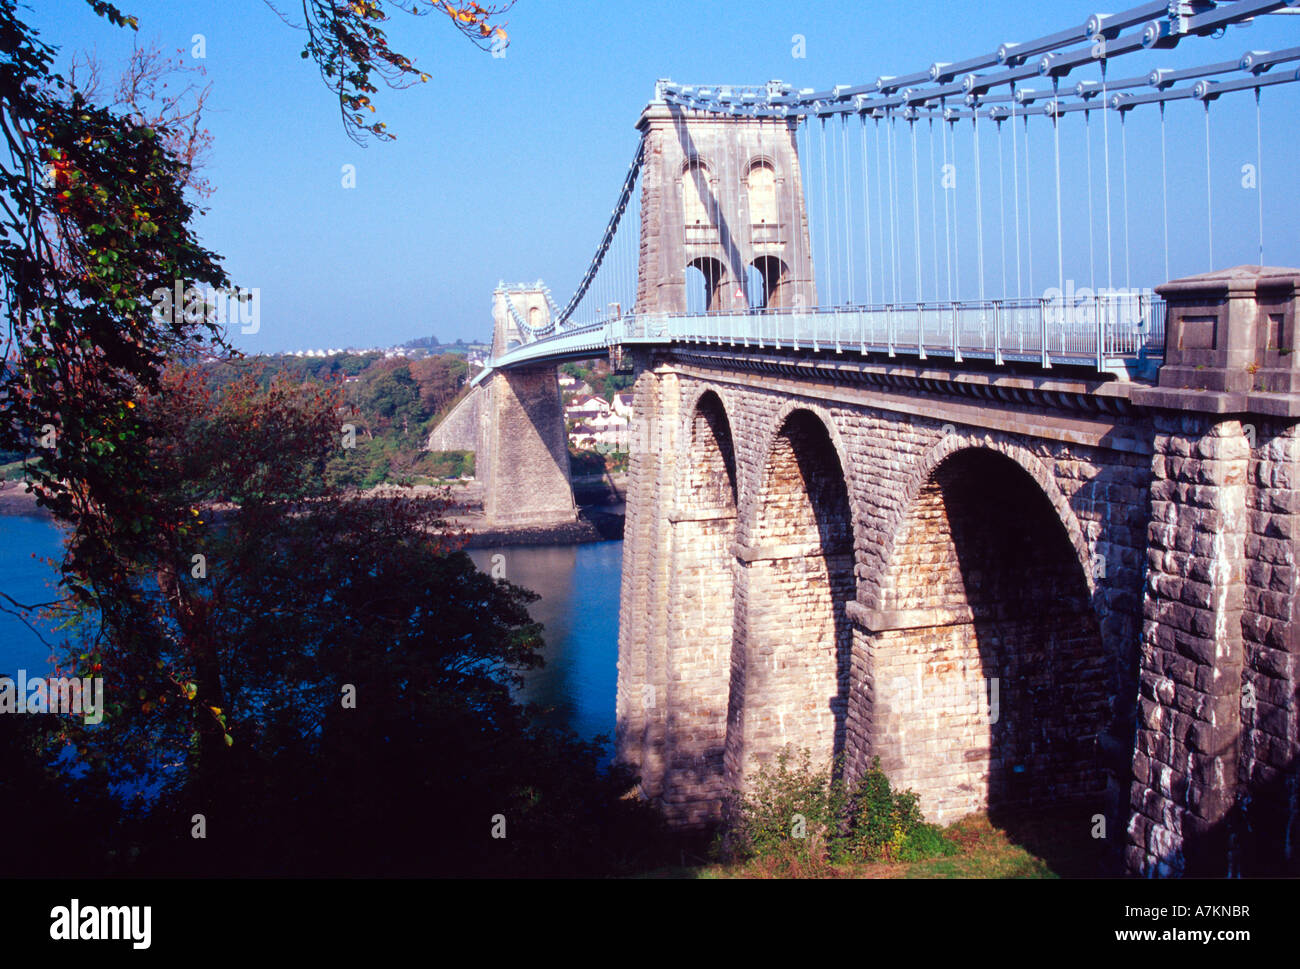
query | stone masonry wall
(785,608)
(986,698)
(1215,768)
(1146,653)
(526,471)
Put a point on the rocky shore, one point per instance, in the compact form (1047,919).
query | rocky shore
(600,514)
(15,499)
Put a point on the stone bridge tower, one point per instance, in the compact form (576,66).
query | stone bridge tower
(514,424)
(524,456)
(722,196)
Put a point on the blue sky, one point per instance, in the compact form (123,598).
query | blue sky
(506,168)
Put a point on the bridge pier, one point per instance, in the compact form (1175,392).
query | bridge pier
(524,458)
(514,423)
(1217,747)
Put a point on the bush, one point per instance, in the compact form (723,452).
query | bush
(792,810)
(585,462)
(925,841)
(795,810)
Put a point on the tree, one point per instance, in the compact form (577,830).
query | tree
(95,220)
(141,91)
(440,380)
(324,651)
(348,44)
(224,591)
(96,224)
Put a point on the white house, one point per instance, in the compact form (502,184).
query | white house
(623,404)
(586,435)
(583,407)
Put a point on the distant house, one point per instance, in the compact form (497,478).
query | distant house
(623,404)
(608,420)
(567,381)
(585,435)
(584,406)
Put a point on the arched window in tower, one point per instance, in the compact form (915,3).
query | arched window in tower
(761,188)
(535,317)
(697,208)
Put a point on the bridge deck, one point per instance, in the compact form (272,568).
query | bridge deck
(1107,334)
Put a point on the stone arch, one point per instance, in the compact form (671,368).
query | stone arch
(982,679)
(750,484)
(699,205)
(790,656)
(774,278)
(761,192)
(949,444)
(711,278)
(700,621)
(707,478)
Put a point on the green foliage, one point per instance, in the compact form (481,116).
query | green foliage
(794,809)
(925,841)
(615,383)
(392,396)
(585,462)
(446,464)
(596,374)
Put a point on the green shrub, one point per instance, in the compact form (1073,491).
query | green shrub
(792,809)
(925,841)
(795,810)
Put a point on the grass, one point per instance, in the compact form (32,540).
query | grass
(1020,847)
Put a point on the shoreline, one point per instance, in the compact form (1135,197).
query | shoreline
(15,499)
(594,523)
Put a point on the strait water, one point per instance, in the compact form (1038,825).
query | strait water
(579,586)
(25,541)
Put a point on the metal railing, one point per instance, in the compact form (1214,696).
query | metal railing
(1096,331)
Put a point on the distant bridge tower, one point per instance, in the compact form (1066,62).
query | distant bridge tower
(514,424)
(524,458)
(723,196)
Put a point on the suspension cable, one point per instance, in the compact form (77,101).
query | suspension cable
(1259,172)
(1015,168)
(880,214)
(825,222)
(947,220)
(1092,247)
(1105,127)
(628,183)
(893,206)
(916,209)
(1209,207)
(1123,133)
(848,205)
(1002,212)
(1164,186)
(956,223)
(934,215)
(1056,138)
(1029,210)
(979,203)
(866,208)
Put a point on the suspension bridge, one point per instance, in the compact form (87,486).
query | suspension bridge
(955,443)
(887,172)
